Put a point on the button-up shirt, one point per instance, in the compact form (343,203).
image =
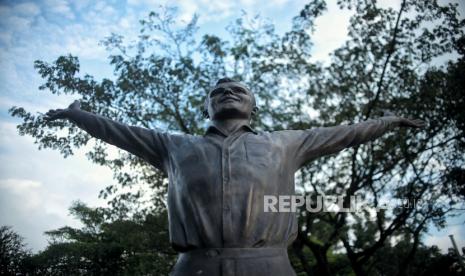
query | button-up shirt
(217,182)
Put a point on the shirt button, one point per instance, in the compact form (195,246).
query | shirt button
(212,253)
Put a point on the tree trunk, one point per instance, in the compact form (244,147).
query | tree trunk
(320,253)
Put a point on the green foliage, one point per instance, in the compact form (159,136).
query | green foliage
(106,246)
(14,257)
(388,62)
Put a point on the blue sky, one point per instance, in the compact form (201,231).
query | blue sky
(37,187)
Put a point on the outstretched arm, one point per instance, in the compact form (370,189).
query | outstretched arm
(317,142)
(145,143)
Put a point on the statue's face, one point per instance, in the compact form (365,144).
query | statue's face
(230,100)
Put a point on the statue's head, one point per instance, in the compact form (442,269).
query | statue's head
(230,99)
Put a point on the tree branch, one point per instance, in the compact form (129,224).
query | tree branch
(391,50)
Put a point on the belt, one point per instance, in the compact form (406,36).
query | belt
(236,253)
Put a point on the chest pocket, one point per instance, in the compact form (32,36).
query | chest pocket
(258,153)
(187,158)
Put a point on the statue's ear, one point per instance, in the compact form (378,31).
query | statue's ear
(255,110)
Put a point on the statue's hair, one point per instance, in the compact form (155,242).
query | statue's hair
(224,80)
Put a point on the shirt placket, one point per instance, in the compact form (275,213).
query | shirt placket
(226,191)
(228,143)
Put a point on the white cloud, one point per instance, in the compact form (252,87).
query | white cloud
(18,185)
(61,7)
(247,3)
(330,31)
(279,2)
(38,187)
(5,38)
(17,24)
(4,12)
(100,14)
(26,9)
(26,189)
(80,42)
(133,2)
(209,11)
(81,4)
(395,4)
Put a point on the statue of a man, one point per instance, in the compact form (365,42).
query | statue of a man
(217,182)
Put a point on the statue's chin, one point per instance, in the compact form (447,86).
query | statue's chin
(230,113)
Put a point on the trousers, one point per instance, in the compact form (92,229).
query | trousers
(234,262)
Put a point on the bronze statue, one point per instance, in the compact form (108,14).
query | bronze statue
(217,182)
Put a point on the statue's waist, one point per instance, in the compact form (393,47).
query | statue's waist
(263,252)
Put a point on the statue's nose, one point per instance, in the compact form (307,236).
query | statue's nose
(228,91)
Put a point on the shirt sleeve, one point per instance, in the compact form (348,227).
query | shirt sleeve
(145,143)
(309,144)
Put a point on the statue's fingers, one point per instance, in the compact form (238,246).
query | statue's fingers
(50,113)
(54,111)
(421,123)
(53,114)
(49,117)
(418,123)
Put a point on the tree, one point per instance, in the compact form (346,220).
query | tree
(386,63)
(14,256)
(105,246)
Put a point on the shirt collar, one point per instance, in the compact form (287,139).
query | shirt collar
(214,129)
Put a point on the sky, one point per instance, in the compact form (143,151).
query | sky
(38,186)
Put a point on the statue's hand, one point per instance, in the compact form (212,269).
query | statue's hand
(54,114)
(416,123)
(404,122)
